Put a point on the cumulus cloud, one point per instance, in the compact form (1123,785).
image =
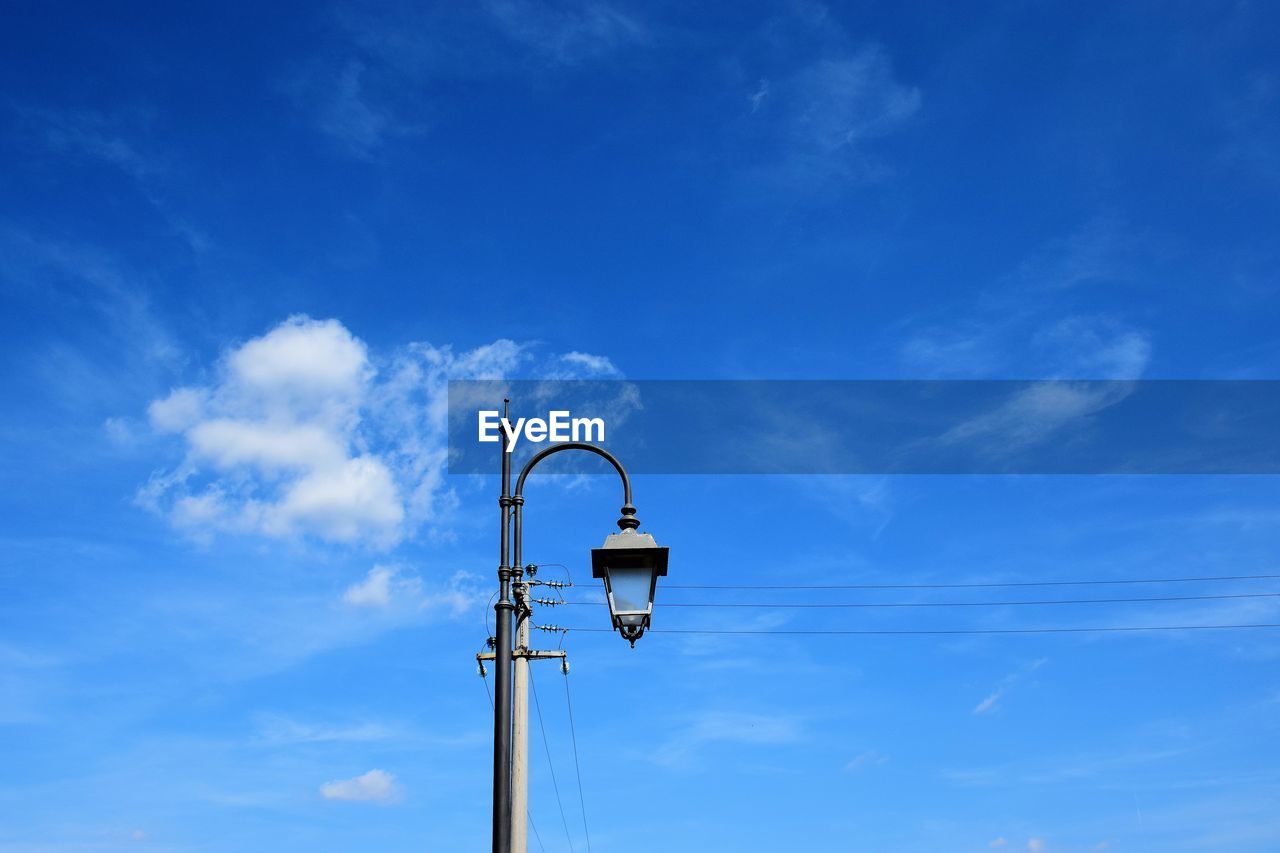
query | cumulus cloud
(376,786)
(278,433)
(373,591)
(301,432)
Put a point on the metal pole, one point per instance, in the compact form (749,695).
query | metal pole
(502,667)
(520,731)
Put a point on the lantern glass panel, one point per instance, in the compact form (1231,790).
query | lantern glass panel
(630,589)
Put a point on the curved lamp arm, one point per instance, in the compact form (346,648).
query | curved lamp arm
(628,521)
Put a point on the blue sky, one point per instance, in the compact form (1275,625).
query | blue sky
(244,248)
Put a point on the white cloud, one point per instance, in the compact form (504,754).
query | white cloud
(304,358)
(989,704)
(376,786)
(389,588)
(179,410)
(870,758)
(279,432)
(229,443)
(342,502)
(1035,845)
(302,433)
(997,843)
(992,701)
(376,589)
(591,365)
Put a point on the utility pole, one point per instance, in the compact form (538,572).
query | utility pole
(519,788)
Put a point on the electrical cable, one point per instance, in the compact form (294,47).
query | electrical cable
(582,802)
(837,605)
(972,585)
(528,813)
(868,632)
(547,746)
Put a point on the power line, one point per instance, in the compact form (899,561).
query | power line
(972,585)
(528,813)
(537,835)
(576,765)
(869,632)
(547,746)
(828,605)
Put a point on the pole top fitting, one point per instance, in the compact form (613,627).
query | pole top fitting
(628,520)
(518,500)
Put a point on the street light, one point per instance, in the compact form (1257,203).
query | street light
(630,564)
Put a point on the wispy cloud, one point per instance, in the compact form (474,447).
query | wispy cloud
(1027,322)
(817,98)
(738,727)
(1032,415)
(865,760)
(96,135)
(822,116)
(67,282)
(1021,342)
(368,90)
(1103,250)
(122,139)
(992,701)
(566,33)
(350,115)
(279,731)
